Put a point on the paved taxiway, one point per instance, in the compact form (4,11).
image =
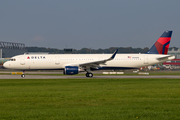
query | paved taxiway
(64,77)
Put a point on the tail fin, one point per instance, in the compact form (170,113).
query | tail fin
(162,44)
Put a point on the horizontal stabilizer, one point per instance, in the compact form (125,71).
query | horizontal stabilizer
(166,57)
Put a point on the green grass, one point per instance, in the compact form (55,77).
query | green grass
(90,99)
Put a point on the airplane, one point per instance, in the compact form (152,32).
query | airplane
(72,64)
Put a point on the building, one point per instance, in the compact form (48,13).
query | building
(175,52)
(173,64)
(9,49)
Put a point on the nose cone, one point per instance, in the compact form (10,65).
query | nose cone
(6,65)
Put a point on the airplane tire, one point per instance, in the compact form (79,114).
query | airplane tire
(87,74)
(90,75)
(23,75)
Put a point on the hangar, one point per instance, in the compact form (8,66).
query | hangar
(9,49)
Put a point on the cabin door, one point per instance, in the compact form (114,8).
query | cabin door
(22,61)
(146,59)
(57,61)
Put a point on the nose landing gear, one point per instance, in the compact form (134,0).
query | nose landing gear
(23,75)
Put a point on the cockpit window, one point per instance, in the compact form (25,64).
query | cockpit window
(12,59)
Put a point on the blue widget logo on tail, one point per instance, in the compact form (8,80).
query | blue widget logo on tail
(162,44)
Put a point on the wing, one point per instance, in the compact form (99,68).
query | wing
(97,63)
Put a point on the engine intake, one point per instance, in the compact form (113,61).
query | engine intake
(71,70)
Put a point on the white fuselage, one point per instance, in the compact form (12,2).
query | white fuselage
(59,61)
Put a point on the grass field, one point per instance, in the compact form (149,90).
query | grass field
(90,99)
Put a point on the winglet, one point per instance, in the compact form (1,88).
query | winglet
(113,56)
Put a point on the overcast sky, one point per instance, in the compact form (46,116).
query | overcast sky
(89,23)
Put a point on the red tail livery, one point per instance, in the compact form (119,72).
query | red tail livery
(162,44)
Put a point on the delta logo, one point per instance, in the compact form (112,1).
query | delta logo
(36,57)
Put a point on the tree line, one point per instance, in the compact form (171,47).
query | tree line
(88,50)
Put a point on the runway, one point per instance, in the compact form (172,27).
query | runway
(81,77)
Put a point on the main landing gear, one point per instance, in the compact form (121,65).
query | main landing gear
(89,74)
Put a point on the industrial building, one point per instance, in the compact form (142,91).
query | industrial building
(175,52)
(173,64)
(9,49)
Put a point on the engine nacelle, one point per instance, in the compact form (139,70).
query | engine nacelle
(71,70)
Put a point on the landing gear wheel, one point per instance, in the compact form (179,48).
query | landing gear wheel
(89,75)
(23,75)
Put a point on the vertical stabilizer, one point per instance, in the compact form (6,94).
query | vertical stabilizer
(162,44)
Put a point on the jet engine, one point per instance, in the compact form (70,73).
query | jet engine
(71,70)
